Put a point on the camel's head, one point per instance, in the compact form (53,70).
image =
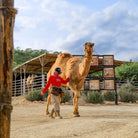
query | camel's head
(34,75)
(88,48)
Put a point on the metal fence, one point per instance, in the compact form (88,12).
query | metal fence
(22,87)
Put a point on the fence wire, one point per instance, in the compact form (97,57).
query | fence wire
(23,86)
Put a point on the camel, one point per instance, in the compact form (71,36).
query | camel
(30,82)
(76,69)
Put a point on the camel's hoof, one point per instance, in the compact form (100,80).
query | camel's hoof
(76,115)
(51,117)
(47,113)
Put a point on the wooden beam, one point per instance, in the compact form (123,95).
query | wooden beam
(21,80)
(15,76)
(24,80)
(43,63)
(7,17)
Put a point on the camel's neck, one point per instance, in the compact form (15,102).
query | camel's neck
(85,66)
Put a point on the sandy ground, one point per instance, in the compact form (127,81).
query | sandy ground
(28,120)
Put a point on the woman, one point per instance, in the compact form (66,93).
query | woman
(56,81)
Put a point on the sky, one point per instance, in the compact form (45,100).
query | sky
(65,25)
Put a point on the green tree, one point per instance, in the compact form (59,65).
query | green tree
(127,71)
(21,56)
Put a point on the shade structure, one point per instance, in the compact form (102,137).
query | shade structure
(47,60)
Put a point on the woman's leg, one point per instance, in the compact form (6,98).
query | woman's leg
(56,105)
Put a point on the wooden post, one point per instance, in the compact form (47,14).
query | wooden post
(24,68)
(42,62)
(15,75)
(116,94)
(7,17)
(21,80)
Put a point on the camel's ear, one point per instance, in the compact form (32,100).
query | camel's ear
(92,45)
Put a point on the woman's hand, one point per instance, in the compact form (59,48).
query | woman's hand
(42,93)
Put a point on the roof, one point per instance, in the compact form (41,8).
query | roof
(35,64)
(47,60)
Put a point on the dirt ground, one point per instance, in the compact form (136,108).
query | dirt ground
(28,120)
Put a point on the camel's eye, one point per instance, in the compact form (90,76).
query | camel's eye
(85,48)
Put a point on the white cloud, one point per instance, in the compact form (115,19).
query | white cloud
(64,26)
(22,6)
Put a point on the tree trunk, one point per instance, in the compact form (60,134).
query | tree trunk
(7,16)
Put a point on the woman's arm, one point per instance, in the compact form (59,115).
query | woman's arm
(47,85)
(64,81)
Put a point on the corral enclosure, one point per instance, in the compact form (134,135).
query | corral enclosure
(43,63)
(28,120)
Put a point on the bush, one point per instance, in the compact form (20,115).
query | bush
(45,96)
(34,95)
(136,96)
(84,93)
(109,96)
(128,93)
(94,97)
(127,97)
(67,96)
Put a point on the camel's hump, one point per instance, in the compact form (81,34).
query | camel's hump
(64,55)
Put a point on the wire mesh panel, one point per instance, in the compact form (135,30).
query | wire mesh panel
(24,86)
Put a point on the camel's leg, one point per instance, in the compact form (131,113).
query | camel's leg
(79,86)
(31,87)
(76,90)
(48,100)
(75,101)
(48,103)
(28,88)
(76,95)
